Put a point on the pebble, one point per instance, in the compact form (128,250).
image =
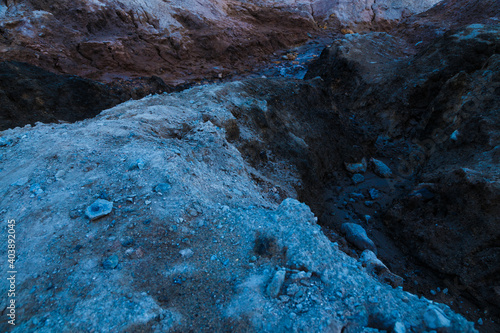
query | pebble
(36,189)
(380,168)
(355,234)
(137,164)
(162,188)
(399,327)
(369,203)
(186,253)
(20,182)
(4,142)
(358,178)
(454,135)
(274,287)
(128,242)
(480,321)
(99,209)
(374,193)
(357,196)
(111,262)
(59,175)
(356,167)
(435,319)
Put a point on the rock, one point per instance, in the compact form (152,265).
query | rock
(380,168)
(399,327)
(274,287)
(21,181)
(358,178)
(356,167)
(186,253)
(435,319)
(36,189)
(371,262)
(111,262)
(454,135)
(368,203)
(137,164)
(355,234)
(128,242)
(357,196)
(374,193)
(300,275)
(4,141)
(162,188)
(59,174)
(99,209)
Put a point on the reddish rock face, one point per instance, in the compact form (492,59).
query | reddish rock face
(175,40)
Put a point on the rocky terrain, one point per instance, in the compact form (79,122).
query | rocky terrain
(354,193)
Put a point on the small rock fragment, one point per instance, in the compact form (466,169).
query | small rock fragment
(4,141)
(36,189)
(380,168)
(162,188)
(186,253)
(20,182)
(358,178)
(111,262)
(399,327)
(435,319)
(137,164)
(355,234)
(274,287)
(59,175)
(99,209)
(374,193)
(454,135)
(369,203)
(356,167)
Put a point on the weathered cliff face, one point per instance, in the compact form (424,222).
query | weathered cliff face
(176,40)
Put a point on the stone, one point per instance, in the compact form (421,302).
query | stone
(137,164)
(111,262)
(128,242)
(162,188)
(357,196)
(356,167)
(374,193)
(99,209)
(4,142)
(399,327)
(380,168)
(36,189)
(21,181)
(186,253)
(435,319)
(355,234)
(358,178)
(274,287)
